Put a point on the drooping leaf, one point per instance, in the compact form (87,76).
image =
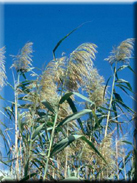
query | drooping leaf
(106,109)
(57,45)
(124,105)
(115,109)
(93,147)
(25,106)
(74,109)
(121,85)
(27,177)
(3,124)
(106,86)
(37,131)
(83,97)
(125,66)
(123,89)
(9,111)
(125,82)
(48,106)
(74,116)
(118,97)
(127,142)
(67,96)
(10,85)
(63,143)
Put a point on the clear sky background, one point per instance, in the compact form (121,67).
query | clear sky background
(45,24)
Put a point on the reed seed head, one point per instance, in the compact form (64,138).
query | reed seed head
(123,52)
(22,61)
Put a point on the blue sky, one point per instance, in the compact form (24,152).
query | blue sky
(45,24)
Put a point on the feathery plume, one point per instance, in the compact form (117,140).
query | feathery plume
(23,60)
(123,52)
(72,73)
(80,65)
(3,76)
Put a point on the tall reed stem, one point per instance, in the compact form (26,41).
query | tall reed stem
(66,158)
(110,103)
(16,127)
(51,142)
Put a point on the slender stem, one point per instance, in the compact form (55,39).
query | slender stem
(124,167)
(16,127)
(113,84)
(66,161)
(32,126)
(21,163)
(51,141)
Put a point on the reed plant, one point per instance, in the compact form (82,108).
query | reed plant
(68,125)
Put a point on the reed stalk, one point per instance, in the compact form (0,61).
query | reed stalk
(16,126)
(50,145)
(111,99)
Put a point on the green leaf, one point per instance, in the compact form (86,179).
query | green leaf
(115,109)
(96,118)
(3,124)
(9,111)
(127,142)
(63,143)
(93,147)
(4,162)
(131,69)
(27,177)
(25,106)
(122,67)
(120,85)
(8,161)
(124,81)
(67,96)
(48,106)
(20,125)
(74,116)
(125,66)
(26,82)
(118,97)
(122,89)
(57,45)
(106,109)
(10,85)
(83,97)
(74,109)
(125,106)
(72,178)
(37,131)
(26,168)
(106,86)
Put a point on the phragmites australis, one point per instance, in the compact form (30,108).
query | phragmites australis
(3,76)
(71,73)
(123,52)
(22,61)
